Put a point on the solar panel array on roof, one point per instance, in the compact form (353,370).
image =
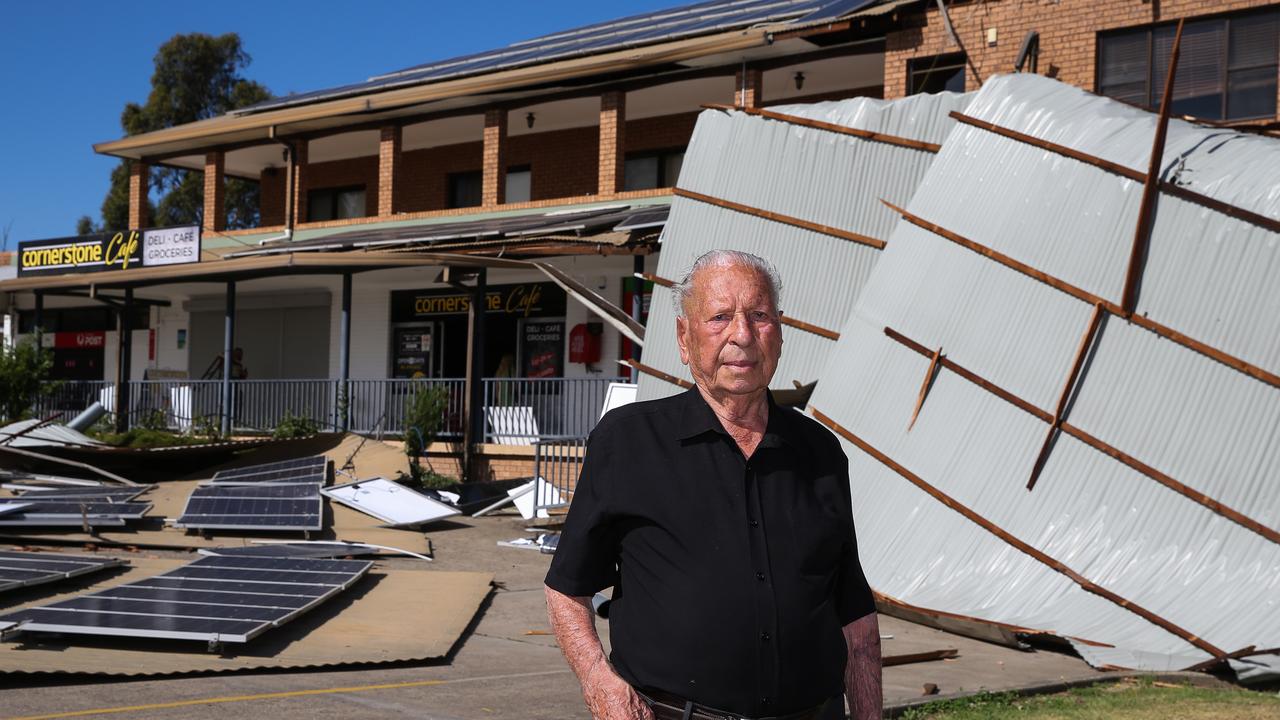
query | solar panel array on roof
(24,569)
(214,599)
(584,222)
(633,31)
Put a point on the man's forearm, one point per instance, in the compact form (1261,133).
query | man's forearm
(574,625)
(862,684)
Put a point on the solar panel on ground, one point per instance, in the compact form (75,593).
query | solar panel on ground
(393,503)
(283,550)
(214,599)
(23,569)
(284,507)
(69,512)
(104,494)
(312,469)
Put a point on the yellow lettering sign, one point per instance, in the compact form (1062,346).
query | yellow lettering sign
(121,249)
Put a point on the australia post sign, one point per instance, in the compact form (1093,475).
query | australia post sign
(106,252)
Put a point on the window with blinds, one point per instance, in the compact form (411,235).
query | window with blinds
(1227,69)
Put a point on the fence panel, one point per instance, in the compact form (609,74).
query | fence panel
(379,406)
(518,411)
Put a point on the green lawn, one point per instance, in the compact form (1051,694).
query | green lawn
(1125,700)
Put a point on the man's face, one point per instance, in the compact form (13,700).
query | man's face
(730,336)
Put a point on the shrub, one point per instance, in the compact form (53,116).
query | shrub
(423,417)
(24,376)
(294,426)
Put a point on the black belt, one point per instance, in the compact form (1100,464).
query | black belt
(666,706)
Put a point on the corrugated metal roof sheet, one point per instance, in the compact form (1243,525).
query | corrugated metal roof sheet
(1205,424)
(803,172)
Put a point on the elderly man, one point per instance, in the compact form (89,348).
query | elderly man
(723,524)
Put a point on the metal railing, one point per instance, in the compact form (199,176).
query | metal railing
(557,462)
(518,411)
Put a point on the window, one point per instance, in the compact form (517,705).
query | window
(335,203)
(519,184)
(464,189)
(1226,71)
(653,170)
(939,73)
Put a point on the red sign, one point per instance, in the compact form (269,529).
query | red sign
(151,344)
(80,340)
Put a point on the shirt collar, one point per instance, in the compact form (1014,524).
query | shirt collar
(699,418)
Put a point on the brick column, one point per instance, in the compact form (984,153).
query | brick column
(389,170)
(613,142)
(215,192)
(494,189)
(299,188)
(748,92)
(139,181)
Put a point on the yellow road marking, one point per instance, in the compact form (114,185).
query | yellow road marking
(278,695)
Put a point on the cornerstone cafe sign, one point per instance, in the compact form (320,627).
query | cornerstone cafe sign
(525,300)
(105,252)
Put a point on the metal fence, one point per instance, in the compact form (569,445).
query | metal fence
(557,462)
(518,411)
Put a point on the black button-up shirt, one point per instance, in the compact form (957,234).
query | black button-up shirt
(732,576)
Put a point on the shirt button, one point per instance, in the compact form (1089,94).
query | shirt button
(760,576)
(755,523)
(764,637)
(764,701)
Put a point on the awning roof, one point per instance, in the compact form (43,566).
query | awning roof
(604,224)
(317,263)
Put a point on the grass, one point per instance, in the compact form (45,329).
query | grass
(1125,700)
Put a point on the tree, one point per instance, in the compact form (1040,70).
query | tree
(196,77)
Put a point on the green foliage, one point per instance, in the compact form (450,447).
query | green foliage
(1127,699)
(24,376)
(294,426)
(423,417)
(197,76)
(206,427)
(153,420)
(145,437)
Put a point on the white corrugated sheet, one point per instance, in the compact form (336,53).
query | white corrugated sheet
(812,174)
(1208,426)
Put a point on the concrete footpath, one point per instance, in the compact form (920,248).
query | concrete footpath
(507,666)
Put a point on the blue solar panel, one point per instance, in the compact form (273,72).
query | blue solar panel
(218,600)
(636,30)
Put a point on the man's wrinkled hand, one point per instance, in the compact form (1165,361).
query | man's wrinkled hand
(609,697)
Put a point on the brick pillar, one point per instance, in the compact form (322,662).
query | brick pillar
(494,189)
(748,92)
(139,180)
(613,142)
(299,188)
(389,170)
(215,192)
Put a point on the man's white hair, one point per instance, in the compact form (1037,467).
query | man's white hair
(726,258)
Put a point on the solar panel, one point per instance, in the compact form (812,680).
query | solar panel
(297,507)
(285,550)
(390,502)
(107,494)
(214,599)
(312,469)
(68,512)
(24,569)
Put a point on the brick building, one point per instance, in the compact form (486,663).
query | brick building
(504,154)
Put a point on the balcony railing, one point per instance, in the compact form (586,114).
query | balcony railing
(518,411)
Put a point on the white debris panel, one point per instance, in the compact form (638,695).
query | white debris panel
(818,176)
(1152,527)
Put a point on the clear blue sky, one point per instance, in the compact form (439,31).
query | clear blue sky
(68,68)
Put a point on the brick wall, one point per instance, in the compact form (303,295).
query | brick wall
(1068,34)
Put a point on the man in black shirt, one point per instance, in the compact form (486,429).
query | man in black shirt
(724,524)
